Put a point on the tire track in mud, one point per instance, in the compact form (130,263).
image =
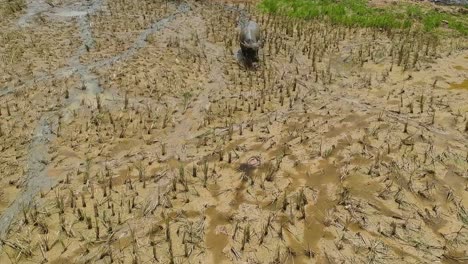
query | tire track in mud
(186,130)
(76,9)
(37,178)
(91,87)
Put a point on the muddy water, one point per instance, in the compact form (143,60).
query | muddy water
(216,242)
(362,187)
(462,85)
(192,213)
(315,222)
(324,179)
(215,190)
(297,247)
(238,198)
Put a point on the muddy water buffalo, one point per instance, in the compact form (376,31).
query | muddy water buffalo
(250,41)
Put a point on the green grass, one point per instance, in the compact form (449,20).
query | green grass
(359,13)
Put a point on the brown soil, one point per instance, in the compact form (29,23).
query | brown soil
(132,134)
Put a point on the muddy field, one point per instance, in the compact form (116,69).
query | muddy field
(130,133)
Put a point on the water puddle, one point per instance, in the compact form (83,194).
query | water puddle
(192,213)
(297,248)
(462,85)
(68,153)
(124,145)
(315,224)
(216,242)
(316,214)
(215,190)
(238,196)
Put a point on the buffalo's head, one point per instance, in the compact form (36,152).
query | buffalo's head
(252,45)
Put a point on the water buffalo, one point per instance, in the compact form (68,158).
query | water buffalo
(250,41)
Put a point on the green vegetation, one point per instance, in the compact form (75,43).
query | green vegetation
(359,13)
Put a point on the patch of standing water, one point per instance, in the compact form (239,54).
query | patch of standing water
(462,85)
(216,242)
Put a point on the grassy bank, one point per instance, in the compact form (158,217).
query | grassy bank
(359,13)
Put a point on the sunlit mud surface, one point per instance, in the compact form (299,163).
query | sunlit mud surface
(131,133)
